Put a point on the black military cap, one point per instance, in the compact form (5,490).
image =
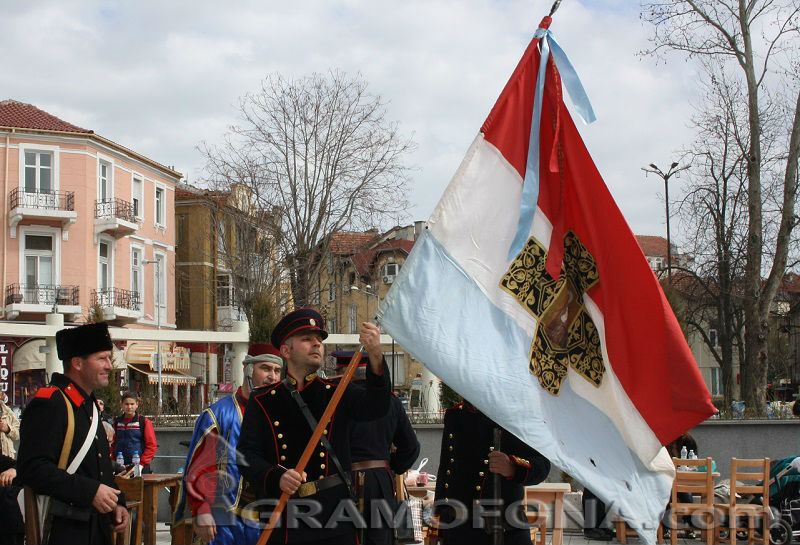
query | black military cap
(83,340)
(302,319)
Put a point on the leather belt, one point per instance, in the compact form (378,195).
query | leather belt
(371,464)
(309,489)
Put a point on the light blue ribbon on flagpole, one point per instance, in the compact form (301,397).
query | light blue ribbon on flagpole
(530,186)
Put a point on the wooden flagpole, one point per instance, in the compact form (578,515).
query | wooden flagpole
(313,442)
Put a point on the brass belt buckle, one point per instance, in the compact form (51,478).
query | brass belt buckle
(307,489)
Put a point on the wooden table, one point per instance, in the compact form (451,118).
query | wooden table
(550,494)
(152,484)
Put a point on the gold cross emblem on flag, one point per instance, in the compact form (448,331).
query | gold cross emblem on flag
(566,336)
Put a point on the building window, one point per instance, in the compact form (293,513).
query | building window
(104,181)
(136,198)
(352,319)
(159,206)
(104,266)
(136,272)
(38,171)
(716,381)
(331,291)
(332,325)
(314,297)
(38,260)
(713,337)
(160,286)
(180,235)
(224,296)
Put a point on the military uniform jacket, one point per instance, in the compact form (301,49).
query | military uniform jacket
(274,434)
(373,441)
(464,473)
(42,434)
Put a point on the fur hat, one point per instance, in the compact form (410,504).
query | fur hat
(83,340)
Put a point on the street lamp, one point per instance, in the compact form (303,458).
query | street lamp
(158,289)
(673,169)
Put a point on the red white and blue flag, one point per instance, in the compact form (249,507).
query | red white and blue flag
(529,295)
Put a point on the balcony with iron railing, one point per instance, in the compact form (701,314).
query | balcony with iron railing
(115,217)
(118,303)
(47,205)
(41,299)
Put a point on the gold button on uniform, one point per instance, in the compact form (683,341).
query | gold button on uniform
(480,474)
(322,466)
(478,488)
(283,458)
(448,472)
(322,455)
(446,485)
(486,461)
(452,460)
(276,423)
(325,432)
(280,436)
(283,447)
(451,436)
(327,386)
(451,448)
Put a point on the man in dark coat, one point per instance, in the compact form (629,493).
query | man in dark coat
(85,506)
(380,449)
(12,529)
(275,432)
(468,460)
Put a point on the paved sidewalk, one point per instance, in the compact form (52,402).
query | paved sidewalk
(163,538)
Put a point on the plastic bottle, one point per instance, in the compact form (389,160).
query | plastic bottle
(120,459)
(137,471)
(683,452)
(692,455)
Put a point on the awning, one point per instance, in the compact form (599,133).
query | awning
(28,357)
(174,358)
(172,377)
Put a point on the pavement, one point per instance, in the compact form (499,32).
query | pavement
(570,538)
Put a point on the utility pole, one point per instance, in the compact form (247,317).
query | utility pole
(158,289)
(673,169)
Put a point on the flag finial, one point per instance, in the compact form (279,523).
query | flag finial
(555,7)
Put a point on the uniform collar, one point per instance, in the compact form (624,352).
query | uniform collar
(293,381)
(70,388)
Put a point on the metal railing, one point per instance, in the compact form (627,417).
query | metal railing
(114,208)
(117,297)
(42,294)
(47,200)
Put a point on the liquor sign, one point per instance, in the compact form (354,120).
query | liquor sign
(6,370)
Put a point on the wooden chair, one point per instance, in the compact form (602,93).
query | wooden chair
(691,480)
(134,491)
(622,531)
(538,524)
(747,477)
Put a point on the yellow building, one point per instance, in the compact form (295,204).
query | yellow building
(357,272)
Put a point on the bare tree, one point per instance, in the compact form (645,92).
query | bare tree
(754,42)
(246,248)
(320,150)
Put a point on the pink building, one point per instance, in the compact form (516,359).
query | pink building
(86,222)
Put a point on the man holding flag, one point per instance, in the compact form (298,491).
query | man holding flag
(528,272)
(279,421)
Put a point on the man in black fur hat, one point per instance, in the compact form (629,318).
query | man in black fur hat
(63,451)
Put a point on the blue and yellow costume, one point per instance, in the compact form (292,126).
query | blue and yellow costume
(218,489)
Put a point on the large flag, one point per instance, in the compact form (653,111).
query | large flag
(529,295)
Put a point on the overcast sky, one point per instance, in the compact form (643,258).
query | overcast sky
(160,76)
